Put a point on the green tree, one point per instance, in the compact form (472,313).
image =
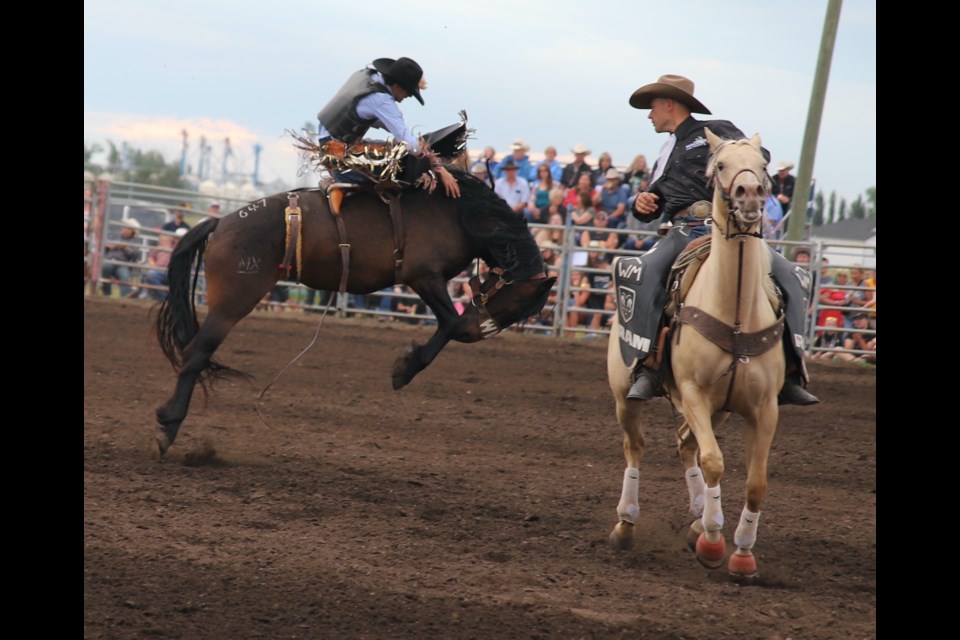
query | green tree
(842,211)
(129,164)
(872,203)
(832,211)
(113,158)
(857,210)
(88,153)
(818,209)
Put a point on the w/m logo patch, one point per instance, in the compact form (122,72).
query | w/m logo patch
(629,268)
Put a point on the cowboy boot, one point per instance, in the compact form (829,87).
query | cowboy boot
(794,393)
(647,384)
(335,195)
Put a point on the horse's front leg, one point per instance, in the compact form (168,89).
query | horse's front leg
(759,438)
(433,292)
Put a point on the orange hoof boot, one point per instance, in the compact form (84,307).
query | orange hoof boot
(710,554)
(743,564)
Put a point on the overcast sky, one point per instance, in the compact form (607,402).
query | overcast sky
(549,72)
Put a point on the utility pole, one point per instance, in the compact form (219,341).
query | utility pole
(183,153)
(798,208)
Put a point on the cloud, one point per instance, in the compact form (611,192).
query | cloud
(278,160)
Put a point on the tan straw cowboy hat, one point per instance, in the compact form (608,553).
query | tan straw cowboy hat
(668,86)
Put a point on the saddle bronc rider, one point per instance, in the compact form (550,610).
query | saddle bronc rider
(368,99)
(677,187)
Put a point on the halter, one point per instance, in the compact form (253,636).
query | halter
(496,280)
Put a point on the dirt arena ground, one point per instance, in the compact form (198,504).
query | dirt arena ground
(475,503)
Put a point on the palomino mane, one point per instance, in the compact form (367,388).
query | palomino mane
(502,233)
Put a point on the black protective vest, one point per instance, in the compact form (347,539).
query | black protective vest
(339,116)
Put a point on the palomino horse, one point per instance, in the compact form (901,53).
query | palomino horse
(730,301)
(432,240)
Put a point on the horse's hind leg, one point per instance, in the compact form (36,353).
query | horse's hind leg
(696,487)
(624,533)
(196,359)
(710,546)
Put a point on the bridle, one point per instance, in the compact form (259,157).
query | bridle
(496,280)
(742,230)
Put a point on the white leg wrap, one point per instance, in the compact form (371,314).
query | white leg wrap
(695,487)
(628,509)
(746,534)
(712,511)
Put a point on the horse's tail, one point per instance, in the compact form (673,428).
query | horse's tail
(176,322)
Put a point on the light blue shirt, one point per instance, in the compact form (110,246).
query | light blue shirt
(514,193)
(384,108)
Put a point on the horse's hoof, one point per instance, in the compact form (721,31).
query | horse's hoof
(710,554)
(164,440)
(743,564)
(623,536)
(693,534)
(400,377)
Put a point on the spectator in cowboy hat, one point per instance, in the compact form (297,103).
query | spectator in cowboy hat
(520,158)
(368,99)
(614,197)
(512,188)
(571,172)
(783,184)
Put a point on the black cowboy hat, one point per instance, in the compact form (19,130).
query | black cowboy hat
(405,72)
(668,86)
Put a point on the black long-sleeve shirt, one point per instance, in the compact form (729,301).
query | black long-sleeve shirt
(784,187)
(684,179)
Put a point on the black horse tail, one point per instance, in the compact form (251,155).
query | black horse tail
(176,323)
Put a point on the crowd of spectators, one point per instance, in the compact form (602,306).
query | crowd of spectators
(548,192)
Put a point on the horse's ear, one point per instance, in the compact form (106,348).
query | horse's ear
(755,141)
(714,140)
